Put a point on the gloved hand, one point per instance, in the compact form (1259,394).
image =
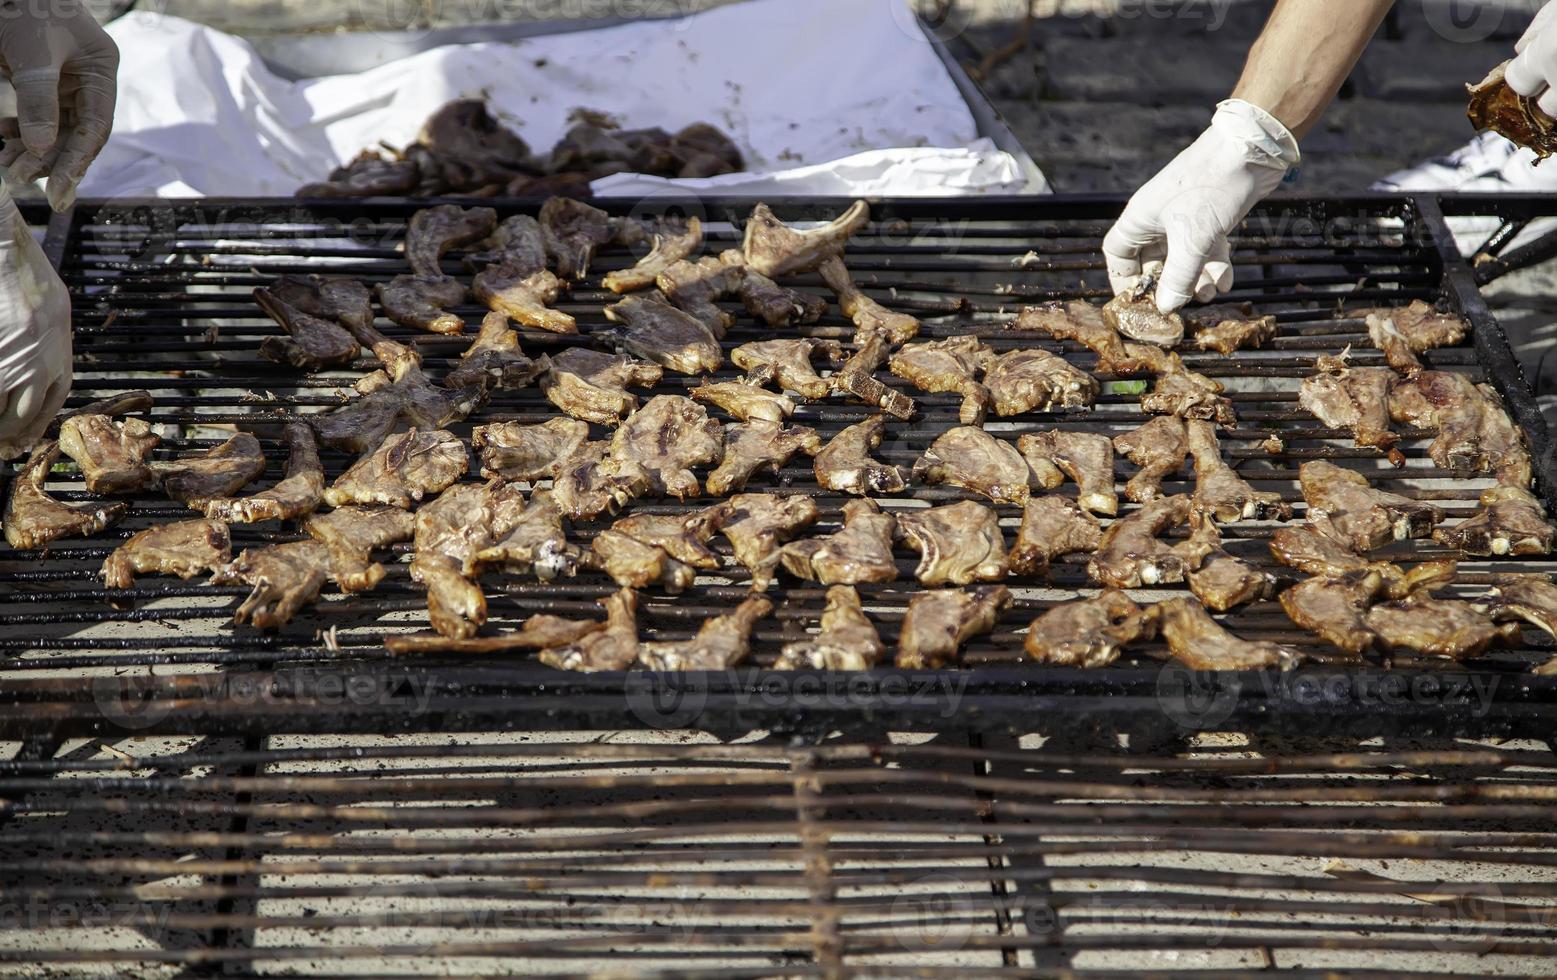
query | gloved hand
(35,351)
(63,68)
(1182,216)
(1534,71)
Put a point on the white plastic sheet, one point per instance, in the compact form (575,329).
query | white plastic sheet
(823,96)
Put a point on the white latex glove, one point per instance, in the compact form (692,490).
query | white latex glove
(35,351)
(1182,216)
(1534,71)
(63,68)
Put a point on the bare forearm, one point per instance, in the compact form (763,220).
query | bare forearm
(1304,54)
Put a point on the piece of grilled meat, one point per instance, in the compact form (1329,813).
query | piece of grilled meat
(283,577)
(950,365)
(1187,394)
(745,401)
(1224,581)
(857,378)
(1404,332)
(658,332)
(612,648)
(870,318)
(695,287)
(433,231)
(532,541)
(939,621)
(750,446)
(788,362)
(1085,457)
(1352,398)
(957,543)
(758,524)
(299,492)
(422,303)
(112,454)
(540,632)
(657,549)
(1530,598)
(860,552)
(1229,328)
(844,464)
(1131,553)
(572,231)
(1437,627)
(1220,491)
(1511,522)
(185,549)
(214,474)
(1335,607)
(590,482)
(510,289)
(1364,518)
(1079,322)
(406,468)
(1317,548)
(450,534)
(1052,526)
(591,385)
(1021,381)
(1475,434)
(672,242)
(344,301)
(352,534)
(311,342)
(1089,632)
(774,305)
(669,436)
(514,451)
(33,518)
(1159,448)
(1135,315)
(848,640)
(721,643)
(774,249)
(1200,643)
(972,459)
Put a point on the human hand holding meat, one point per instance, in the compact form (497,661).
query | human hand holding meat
(35,349)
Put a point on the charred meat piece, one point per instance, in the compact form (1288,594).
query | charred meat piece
(1159,448)
(33,518)
(1364,518)
(1220,491)
(1223,581)
(1022,381)
(949,365)
(345,301)
(694,287)
(351,534)
(861,552)
(750,446)
(848,640)
(403,383)
(516,242)
(774,249)
(532,541)
(510,291)
(299,492)
(494,359)
(592,386)
(612,648)
(513,451)
(775,305)
(870,318)
(422,303)
(1403,333)
(758,524)
(1437,627)
(572,231)
(667,437)
(1079,322)
(450,533)
(857,378)
(312,342)
(958,543)
(1085,457)
(1135,315)
(972,459)
(658,332)
(720,644)
(939,622)
(1351,398)
(746,402)
(1474,432)
(1495,106)
(184,549)
(664,549)
(284,578)
(1089,632)
(1131,554)
(434,231)
(1335,607)
(213,474)
(673,242)
(1051,527)
(463,130)
(1200,643)
(540,632)
(112,455)
(406,468)
(788,362)
(844,464)
(1317,548)
(361,424)
(368,175)
(590,481)
(1511,522)
(1531,598)
(1229,328)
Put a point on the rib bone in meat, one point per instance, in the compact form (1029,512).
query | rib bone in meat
(870,318)
(950,365)
(185,549)
(860,552)
(848,640)
(1219,490)
(844,464)
(33,518)
(857,378)
(774,249)
(673,242)
(789,363)
(1085,457)
(972,459)
(1511,521)
(1364,518)
(612,648)
(957,543)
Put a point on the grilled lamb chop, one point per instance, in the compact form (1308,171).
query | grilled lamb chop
(1474,432)
(973,459)
(512,451)
(540,632)
(1187,394)
(844,464)
(1437,627)
(694,287)
(648,549)
(214,474)
(422,303)
(524,294)
(613,648)
(1531,598)
(572,231)
(1079,322)
(1496,106)
(590,482)
(345,301)
(361,424)
(721,643)
(403,382)
(312,342)
(949,365)
(957,543)
(533,540)
(434,231)
(299,492)
(659,332)
(775,305)
(1223,581)
(33,518)
(1317,548)
(774,249)
(112,455)
(1130,554)
(673,242)
(450,533)
(752,445)
(184,549)
(406,468)
(1159,448)
(1085,457)
(284,579)
(1335,607)
(1511,522)
(1023,381)
(592,386)
(940,621)
(1089,632)
(746,402)
(1352,398)
(516,241)
(1364,518)
(668,436)
(1135,315)
(758,524)
(1403,333)
(848,640)
(788,362)
(494,359)
(1052,526)
(1200,643)
(1229,328)
(857,378)
(860,552)
(870,318)
(351,534)
(1220,491)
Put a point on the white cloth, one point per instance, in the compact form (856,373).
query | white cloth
(822,96)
